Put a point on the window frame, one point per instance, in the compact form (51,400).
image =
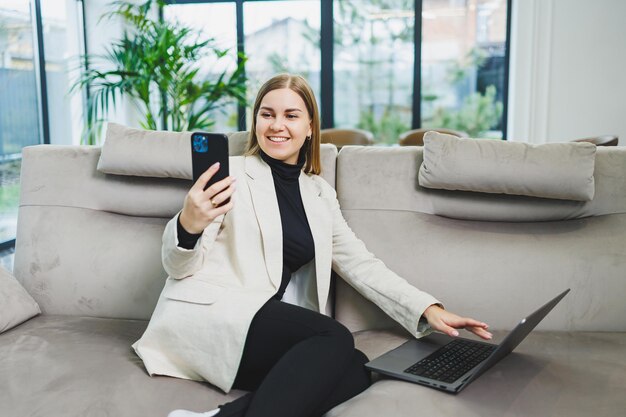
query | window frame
(41,81)
(327,60)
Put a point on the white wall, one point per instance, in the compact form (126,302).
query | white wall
(568,70)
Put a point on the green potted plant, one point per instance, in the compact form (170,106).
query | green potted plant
(154,64)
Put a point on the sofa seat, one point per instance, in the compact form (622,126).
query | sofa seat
(67,366)
(549,374)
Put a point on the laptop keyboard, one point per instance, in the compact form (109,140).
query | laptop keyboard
(451,361)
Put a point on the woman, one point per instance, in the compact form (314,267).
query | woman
(220,317)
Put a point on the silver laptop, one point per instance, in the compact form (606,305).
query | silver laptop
(450,364)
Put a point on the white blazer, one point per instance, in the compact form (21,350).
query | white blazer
(199,326)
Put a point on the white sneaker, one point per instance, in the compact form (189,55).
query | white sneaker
(186,413)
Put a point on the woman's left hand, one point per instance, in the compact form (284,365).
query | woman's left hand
(446,322)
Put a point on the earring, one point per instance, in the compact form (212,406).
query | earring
(308,138)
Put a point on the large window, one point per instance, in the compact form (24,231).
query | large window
(281,36)
(386,66)
(265,25)
(217,22)
(38,43)
(373,66)
(61,38)
(19,115)
(463,64)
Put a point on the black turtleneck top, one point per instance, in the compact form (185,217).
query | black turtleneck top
(298,248)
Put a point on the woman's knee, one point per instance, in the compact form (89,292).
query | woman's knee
(360,357)
(341,335)
(358,362)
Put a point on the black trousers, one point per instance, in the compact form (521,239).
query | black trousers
(296,363)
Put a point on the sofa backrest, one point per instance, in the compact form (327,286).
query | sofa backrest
(88,243)
(493,257)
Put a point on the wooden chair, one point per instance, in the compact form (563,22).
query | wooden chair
(603,140)
(416,137)
(342,137)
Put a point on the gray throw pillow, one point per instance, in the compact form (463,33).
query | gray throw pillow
(16,305)
(145,153)
(150,153)
(552,170)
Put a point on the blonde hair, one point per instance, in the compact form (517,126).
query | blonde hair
(299,85)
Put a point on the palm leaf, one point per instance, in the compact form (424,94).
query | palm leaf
(157,56)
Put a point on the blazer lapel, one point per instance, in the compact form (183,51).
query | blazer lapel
(321,228)
(261,185)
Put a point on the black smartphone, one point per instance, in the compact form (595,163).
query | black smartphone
(207,149)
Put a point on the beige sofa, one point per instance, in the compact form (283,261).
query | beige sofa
(88,251)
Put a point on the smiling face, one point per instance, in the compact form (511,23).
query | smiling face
(282,125)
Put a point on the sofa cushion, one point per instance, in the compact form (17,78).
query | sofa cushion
(90,263)
(163,154)
(366,183)
(145,153)
(16,305)
(487,245)
(149,153)
(552,170)
(94,249)
(61,366)
(550,374)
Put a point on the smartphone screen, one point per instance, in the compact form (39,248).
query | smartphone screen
(207,149)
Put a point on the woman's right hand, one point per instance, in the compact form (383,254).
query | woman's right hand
(201,207)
